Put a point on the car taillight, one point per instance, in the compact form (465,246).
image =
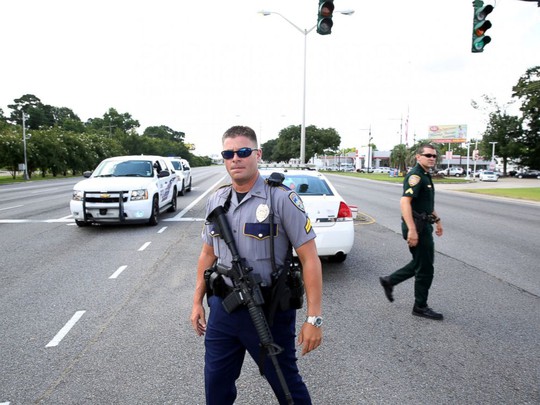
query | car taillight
(344,211)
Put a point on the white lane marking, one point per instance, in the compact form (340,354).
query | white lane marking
(196,201)
(71,222)
(4,403)
(10,208)
(68,218)
(162,229)
(144,246)
(184,219)
(176,218)
(118,271)
(67,327)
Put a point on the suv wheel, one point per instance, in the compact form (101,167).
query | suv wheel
(174,202)
(153,220)
(182,189)
(189,187)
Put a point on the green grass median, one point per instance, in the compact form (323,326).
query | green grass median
(532,193)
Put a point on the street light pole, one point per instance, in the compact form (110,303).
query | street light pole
(304,32)
(24,145)
(368,162)
(468,144)
(493,154)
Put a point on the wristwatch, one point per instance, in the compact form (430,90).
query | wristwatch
(314,320)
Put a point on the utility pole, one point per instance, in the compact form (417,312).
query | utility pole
(24,146)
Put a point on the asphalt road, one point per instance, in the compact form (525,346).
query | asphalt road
(127,291)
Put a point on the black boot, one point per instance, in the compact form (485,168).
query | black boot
(427,312)
(388,288)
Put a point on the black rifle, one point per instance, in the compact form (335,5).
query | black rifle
(247,291)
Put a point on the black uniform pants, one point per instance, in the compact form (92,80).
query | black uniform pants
(227,338)
(420,267)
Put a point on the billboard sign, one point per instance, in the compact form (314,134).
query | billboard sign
(447,133)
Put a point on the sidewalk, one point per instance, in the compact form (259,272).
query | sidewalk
(504,182)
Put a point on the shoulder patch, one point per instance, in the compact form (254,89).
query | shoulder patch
(307,226)
(297,201)
(414,180)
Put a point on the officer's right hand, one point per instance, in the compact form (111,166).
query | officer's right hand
(412,238)
(198,319)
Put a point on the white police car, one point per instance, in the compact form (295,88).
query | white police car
(125,189)
(183,174)
(330,216)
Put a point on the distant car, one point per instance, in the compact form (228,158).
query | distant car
(346,168)
(182,170)
(381,169)
(529,174)
(454,171)
(487,175)
(330,215)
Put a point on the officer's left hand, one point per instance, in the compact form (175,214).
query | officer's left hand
(438,229)
(310,337)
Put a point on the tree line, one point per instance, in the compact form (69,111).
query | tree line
(59,143)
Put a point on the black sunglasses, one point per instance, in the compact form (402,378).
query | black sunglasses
(241,153)
(429,155)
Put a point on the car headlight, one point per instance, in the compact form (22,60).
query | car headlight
(137,195)
(77,195)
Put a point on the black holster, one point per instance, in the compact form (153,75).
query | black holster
(287,290)
(420,221)
(215,284)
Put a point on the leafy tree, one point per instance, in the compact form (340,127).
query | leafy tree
(506,130)
(66,119)
(49,152)
(164,132)
(268,149)
(399,157)
(100,147)
(11,150)
(39,115)
(502,128)
(317,140)
(527,90)
(112,122)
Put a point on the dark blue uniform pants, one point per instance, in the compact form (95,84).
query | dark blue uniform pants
(420,267)
(226,340)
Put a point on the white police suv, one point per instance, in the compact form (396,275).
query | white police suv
(125,189)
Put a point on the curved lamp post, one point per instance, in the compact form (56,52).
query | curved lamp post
(304,32)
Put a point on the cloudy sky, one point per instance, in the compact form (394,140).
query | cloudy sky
(203,66)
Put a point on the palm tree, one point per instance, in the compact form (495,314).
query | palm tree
(399,156)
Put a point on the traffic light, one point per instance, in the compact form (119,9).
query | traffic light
(324,20)
(480,26)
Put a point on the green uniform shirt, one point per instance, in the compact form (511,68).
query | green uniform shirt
(419,186)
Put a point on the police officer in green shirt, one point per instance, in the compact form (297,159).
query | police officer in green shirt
(418,217)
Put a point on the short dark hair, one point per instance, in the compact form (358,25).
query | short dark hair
(239,130)
(424,145)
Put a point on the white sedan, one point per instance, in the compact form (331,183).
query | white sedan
(330,216)
(488,176)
